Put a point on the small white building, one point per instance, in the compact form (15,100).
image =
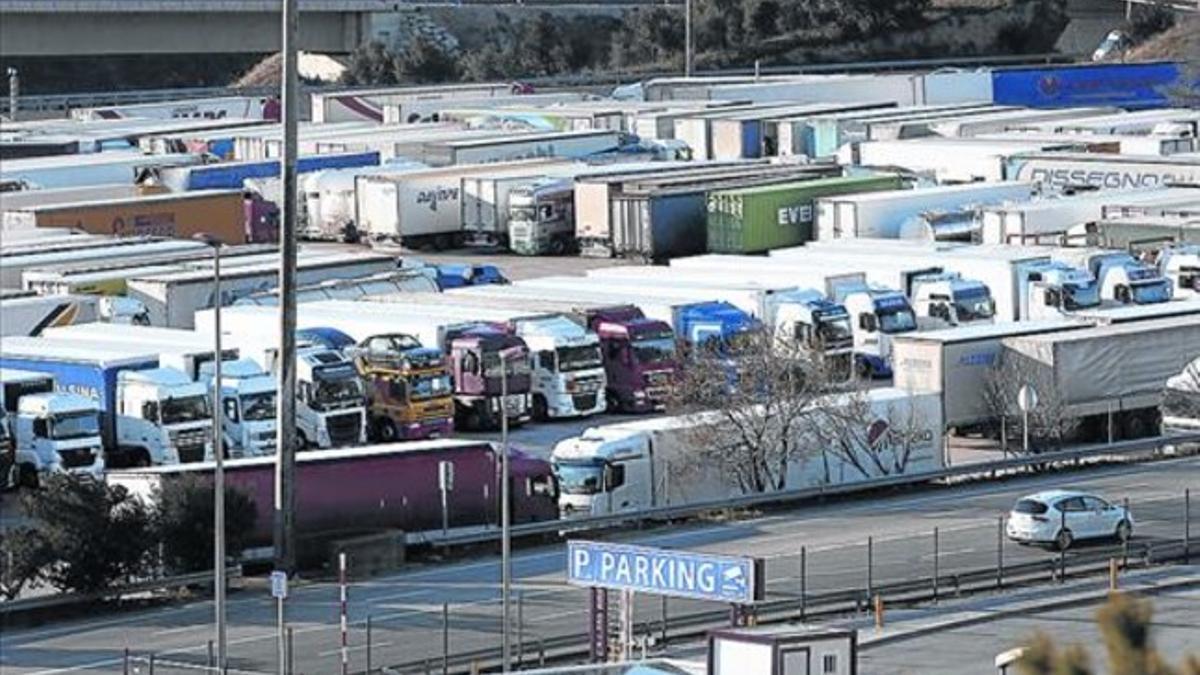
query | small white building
(782,650)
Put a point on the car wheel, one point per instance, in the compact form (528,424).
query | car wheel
(1124,531)
(1064,539)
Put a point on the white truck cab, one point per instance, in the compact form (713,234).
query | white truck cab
(56,432)
(946,299)
(1055,290)
(541,218)
(1181,264)
(568,372)
(876,314)
(1121,276)
(164,412)
(330,400)
(246,395)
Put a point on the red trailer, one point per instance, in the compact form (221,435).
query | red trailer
(393,486)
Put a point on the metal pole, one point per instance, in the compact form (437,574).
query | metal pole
(1125,544)
(445,638)
(285,440)
(505,552)
(344,626)
(211,655)
(803,581)
(369,668)
(218,471)
(520,628)
(1062,551)
(1187,524)
(284,638)
(870,565)
(1025,431)
(1000,552)
(125,662)
(687,38)
(291,653)
(663,635)
(936,564)
(14,87)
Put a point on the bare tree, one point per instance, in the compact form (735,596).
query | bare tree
(1181,398)
(1050,424)
(873,443)
(750,405)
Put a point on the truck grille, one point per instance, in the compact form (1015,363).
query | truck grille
(344,428)
(659,379)
(585,401)
(190,445)
(77,457)
(588,384)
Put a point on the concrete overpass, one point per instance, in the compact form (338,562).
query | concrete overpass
(42,28)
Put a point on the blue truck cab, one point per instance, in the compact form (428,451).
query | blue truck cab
(703,323)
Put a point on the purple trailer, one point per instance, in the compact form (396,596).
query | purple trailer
(350,491)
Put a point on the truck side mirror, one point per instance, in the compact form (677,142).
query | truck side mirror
(231,410)
(1123,294)
(1052,298)
(41,428)
(150,411)
(867,322)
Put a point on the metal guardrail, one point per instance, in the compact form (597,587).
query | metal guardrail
(148,586)
(566,527)
(47,102)
(696,624)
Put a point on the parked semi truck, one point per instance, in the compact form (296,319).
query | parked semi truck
(408,388)
(45,431)
(799,317)
(1121,277)
(696,323)
(1127,367)
(876,313)
(1181,264)
(246,393)
(568,377)
(472,351)
(149,414)
(1014,223)
(633,466)
(384,487)
(639,353)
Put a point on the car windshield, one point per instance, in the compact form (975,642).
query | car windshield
(258,407)
(834,329)
(329,392)
(1081,296)
(974,304)
(1152,292)
(185,409)
(579,478)
(578,358)
(654,350)
(425,387)
(75,425)
(1030,506)
(897,321)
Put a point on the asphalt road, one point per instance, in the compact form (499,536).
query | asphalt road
(405,608)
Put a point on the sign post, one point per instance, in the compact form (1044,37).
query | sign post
(279,591)
(445,485)
(599,566)
(1027,400)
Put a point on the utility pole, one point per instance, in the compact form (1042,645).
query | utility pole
(285,439)
(505,550)
(687,38)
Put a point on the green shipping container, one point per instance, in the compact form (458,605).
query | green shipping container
(758,219)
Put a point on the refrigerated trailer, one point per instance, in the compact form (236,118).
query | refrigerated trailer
(1014,223)
(949,160)
(91,169)
(568,144)
(884,214)
(1102,171)
(141,250)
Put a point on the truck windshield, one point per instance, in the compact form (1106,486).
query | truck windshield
(258,407)
(654,350)
(1150,292)
(185,409)
(522,214)
(892,321)
(1081,296)
(333,392)
(491,365)
(74,425)
(424,387)
(833,330)
(578,358)
(579,478)
(974,304)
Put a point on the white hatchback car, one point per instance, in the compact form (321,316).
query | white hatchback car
(1061,517)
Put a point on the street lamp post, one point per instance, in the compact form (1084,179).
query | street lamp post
(505,514)
(219,456)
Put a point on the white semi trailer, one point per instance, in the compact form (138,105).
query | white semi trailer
(884,214)
(633,466)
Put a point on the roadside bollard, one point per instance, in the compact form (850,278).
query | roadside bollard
(1112,574)
(878,612)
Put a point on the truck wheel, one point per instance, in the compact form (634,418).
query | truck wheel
(1135,425)
(541,412)
(442,242)
(350,234)
(612,402)
(558,246)
(865,371)
(386,431)
(27,477)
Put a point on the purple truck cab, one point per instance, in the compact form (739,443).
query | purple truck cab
(476,369)
(640,360)
(262,219)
